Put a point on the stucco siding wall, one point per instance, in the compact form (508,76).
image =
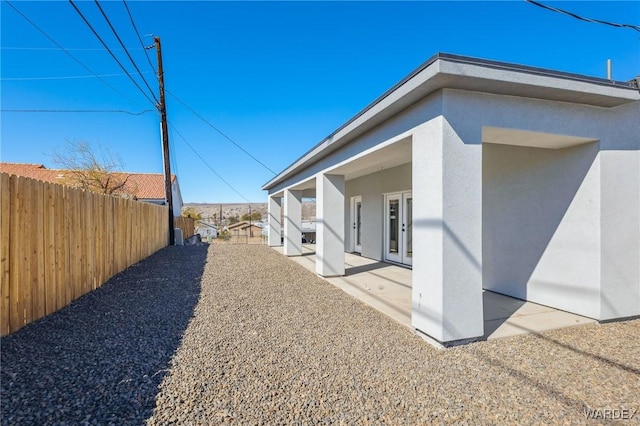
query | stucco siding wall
(607,198)
(372,188)
(620,222)
(541,233)
(462,237)
(468,112)
(620,229)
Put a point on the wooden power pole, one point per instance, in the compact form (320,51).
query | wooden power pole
(165,142)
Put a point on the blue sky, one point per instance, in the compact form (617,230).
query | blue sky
(275,77)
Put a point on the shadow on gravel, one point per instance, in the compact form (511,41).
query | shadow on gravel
(101,359)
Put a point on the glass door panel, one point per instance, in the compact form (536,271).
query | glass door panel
(356,219)
(358,223)
(393,228)
(399,227)
(408,228)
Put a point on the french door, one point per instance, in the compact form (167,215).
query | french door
(356,220)
(398,227)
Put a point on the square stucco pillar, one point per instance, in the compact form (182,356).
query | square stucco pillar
(292,223)
(447,234)
(330,225)
(275,227)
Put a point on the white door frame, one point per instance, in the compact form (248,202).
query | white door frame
(398,250)
(356,224)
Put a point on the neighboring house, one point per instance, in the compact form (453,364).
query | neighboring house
(146,187)
(245,229)
(205,229)
(481,175)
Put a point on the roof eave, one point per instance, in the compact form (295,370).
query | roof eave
(458,72)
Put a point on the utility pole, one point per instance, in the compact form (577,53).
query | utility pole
(162,107)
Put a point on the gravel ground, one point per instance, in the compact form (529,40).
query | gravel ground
(100,359)
(261,340)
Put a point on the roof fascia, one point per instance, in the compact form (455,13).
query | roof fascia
(454,71)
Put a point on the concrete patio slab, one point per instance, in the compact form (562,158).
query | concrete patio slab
(387,288)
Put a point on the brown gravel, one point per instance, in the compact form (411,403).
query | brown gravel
(271,343)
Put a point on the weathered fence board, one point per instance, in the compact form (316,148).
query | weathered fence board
(59,243)
(5,225)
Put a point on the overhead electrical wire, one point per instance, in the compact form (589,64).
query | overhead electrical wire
(79,110)
(88,49)
(70,77)
(573,15)
(219,131)
(110,52)
(135,29)
(115,33)
(67,52)
(207,164)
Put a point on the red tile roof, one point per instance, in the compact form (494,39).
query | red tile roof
(148,186)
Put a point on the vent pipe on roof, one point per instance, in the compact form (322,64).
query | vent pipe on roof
(608,69)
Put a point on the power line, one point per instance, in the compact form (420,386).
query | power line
(109,50)
(573,15)
(79,110)
(115,33)
(55,48)
(70,77)
(207,164)
(135,29)
(66,51)
(219,131)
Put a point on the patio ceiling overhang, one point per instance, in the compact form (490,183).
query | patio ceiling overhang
(502,136)
(388,156)
(445,71)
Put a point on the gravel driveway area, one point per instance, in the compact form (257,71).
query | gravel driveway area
(237,334)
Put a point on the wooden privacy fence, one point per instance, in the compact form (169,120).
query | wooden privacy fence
(186,224)
(58,243)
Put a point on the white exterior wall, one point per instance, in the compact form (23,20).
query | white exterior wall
(274,233)
(579,206)
(447,234)
(292,223)
(176,198)
(372,189)
(541,209)
(620,215)
(330,225)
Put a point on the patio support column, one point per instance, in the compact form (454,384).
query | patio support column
(447,234)
(330,225)
(292,222)
(275,227)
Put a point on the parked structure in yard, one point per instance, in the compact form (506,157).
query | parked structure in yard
(206,229)
(481,175)
(146,187)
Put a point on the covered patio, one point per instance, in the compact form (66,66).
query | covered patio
(387,288)
(495,183)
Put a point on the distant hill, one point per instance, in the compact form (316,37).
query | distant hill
(212,210)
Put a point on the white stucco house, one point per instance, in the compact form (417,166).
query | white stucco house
(205,229)
(481,175)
